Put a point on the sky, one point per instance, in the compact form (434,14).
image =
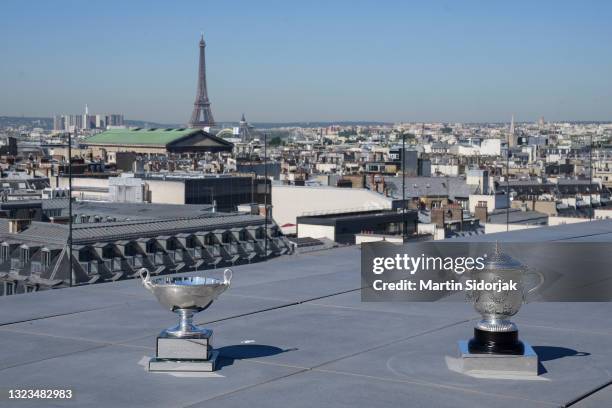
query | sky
(282,61)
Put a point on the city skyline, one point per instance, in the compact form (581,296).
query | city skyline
(298,63)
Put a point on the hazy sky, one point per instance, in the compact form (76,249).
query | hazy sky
(309,60)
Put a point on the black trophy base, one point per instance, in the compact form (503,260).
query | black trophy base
(485,342)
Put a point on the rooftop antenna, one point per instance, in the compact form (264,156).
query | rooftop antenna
(591,210)
(266,194)
(404,221)
(70,220)
(508,176)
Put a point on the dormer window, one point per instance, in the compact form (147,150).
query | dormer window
(9,288)
(4,252)
(46,258)
(24,255)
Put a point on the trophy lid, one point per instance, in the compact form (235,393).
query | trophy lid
(499,260)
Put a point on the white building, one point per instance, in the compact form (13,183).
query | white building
(490,147)
(491,201)
(127,189)
(290,202)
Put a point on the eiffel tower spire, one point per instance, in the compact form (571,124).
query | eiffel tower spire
(202,114)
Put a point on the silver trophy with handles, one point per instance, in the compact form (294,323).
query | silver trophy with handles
(495,333)
(185,347)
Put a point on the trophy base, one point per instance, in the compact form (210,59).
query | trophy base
(515,366)
(183,365)
(487,342)
(197,346)
(189,353)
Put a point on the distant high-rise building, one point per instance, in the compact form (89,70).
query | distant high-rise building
(512,142)
(76,122)
(114,119)
(202,116)
(101,121)
(70,123)
(59,123)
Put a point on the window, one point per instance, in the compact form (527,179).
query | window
(191,242)
(9,288)
(4,252)
(171,245)
(24,255)
(46,258)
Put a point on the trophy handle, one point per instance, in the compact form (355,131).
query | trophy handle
(146,278)
(227,276)
(539,285)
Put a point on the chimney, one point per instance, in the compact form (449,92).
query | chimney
(17,225)
(480,212)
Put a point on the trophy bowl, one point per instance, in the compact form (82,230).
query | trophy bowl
(495,332)
(186,296)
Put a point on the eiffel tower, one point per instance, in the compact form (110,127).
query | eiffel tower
(202,115)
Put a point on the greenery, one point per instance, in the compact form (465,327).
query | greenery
(276,141)
(348,132)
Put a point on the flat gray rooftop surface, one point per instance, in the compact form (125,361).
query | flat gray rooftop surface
(293,332)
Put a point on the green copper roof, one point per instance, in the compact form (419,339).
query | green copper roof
(138,136)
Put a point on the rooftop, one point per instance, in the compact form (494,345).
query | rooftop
(44,232)
(453,187)
(139,136)
(517,216)
(348,215)
(292,332)
(114,210)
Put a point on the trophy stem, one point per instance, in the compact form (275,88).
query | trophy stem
(496,324)
(186,324)
(185,328)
